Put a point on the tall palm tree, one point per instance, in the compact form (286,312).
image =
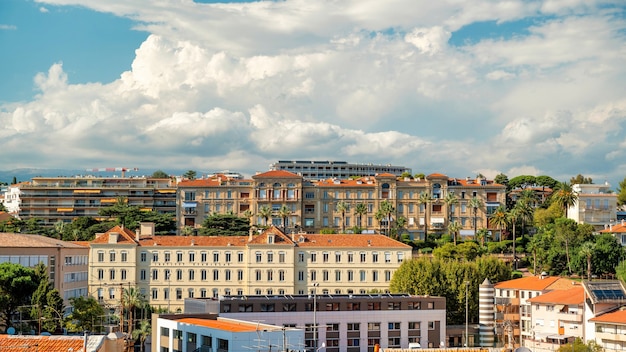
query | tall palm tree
(475,203)
(342,207)
(482,236)
(525,213)
(500,218)
(587,250)
(379,216)
(565,196)
(514,216)
(265,212)
(450,199)
(387,209)
(400,225)
(360,209)
(132,299)
(453,229)
(248,215)
(284,213)
(142,333)
(425,198)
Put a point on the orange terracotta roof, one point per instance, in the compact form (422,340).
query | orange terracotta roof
(220,324)
(386,174)
(279,237)
(619,228)
(188,241)
(277,174)
(41,343)
(81,243)
(437,175)
(126,236)
(575,295)
(616,317)
(536,283)
(347,241)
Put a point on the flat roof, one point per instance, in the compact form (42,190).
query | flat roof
(231,326)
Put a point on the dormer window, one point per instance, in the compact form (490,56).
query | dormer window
(270,238)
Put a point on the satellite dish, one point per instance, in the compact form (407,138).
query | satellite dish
(11,331)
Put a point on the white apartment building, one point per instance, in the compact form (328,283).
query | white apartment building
(595,205)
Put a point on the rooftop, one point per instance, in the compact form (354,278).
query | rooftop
(18,240)
(536,283)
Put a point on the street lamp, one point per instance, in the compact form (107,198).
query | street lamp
(322,346)
(466,314)
(315,285)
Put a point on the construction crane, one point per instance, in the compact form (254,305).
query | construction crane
(113,169)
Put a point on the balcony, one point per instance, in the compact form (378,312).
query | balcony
(578,318)
(608,336)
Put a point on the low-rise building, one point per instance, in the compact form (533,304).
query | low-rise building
(610,330)
(618,230)
(167,269)
(596,205)
(342,323)
(209,332)
(66,262)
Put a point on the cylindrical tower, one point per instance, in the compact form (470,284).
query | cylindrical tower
(486,313)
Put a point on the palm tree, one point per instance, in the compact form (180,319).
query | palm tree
(187,230)
(132,299)
(450,199)
(525,212)
(475,203)
(400,225)
(284,213)
(342,207)
(482,235)
(142,333)
(453,228)
(379,216)
(499,219)
(248,214)
(387,210)
(424,198)
(513,217)
(266,213)
(587,250)
(565,196)
(360,209)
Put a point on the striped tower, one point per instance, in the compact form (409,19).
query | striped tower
(486,314)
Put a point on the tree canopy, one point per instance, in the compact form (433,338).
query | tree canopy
(227,224)
(580,179)
(160,174)
(87,311)
(17,284)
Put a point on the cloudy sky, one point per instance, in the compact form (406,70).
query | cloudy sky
(453,86)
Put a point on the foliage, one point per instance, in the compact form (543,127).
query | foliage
(447,278)
(579,346)
(604,252)
(17,284)
(621,193)
(497,247)
(564,196)
(144,330)
(159,174)
(227,224)
(265,212)
(501,179)
(406,174)
(84,315)
(546,181)
(522,182)
(580,179)
(543,217)
(342,207)
(190,175)
(420,176)
(127,215)
(328,231)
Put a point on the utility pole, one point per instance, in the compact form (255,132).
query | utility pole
(122,308)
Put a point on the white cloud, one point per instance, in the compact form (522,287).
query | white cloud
(8,27)
(43,10)
(236,86)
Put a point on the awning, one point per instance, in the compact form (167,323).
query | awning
(559,307)
(145,209)
(65,210)
(90,191)
(559,337)
(437,220)
(110,200)
(166,191)
(189,205)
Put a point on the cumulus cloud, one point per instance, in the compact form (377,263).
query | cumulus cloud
(238,85)
(7,27)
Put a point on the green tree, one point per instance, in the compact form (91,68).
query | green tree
(160,174)
(453,228)
(360,209)
(342,207)
(580,179)
(227,224)
(546,181)
(450,199)
(142,333)
(420,176)
(565,197)
(543,217)
(406,174)
(400,226)
(190,175)
(482,235)
(284,213)
(17,284)
(265,212)
(132,299)
(500,219)
(566,232)
(127,215)
(386,209)
(580,346)
(84,315)
(164,223)
(621,193)
(476,204)
(587,251)
(425,199)
(522,182)
(501,179)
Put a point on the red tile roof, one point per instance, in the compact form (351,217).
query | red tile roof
(386,174)
(575,295)
(41,343)
(221,324)
(18,240)
(437,175)
(617,317)
(536,283)
(618,228)
(4,216)
(277,174)
(126,236)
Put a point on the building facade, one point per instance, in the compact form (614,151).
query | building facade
(53,199)
(67,262)
(167,269)
(312,205)
(320,170)
(596,205)
(344,323)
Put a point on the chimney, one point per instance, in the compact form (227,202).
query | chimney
(113,236)
(250,234)
(146,229)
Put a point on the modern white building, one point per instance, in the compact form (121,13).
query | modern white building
(208,332)
(596,205)
(318,170)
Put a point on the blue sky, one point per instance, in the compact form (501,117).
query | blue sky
(519,87)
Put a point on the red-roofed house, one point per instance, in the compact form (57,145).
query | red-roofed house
(167,269)
(610,330)
(618,230)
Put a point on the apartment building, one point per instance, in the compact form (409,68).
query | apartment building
(319,170)
(618,230)
(344,322)
(513,308)
(167,269)
(313,204)
(557,319)
(596,205)
(53,199)
(209,332)
(66,261)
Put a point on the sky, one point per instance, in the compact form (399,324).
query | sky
(460,87)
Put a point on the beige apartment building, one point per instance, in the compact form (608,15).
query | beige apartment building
(313,203)
(53,199)
(168,269)
(66,261)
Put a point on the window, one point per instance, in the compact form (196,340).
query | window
(353,306)
(240,275)
(313,257)
(301,257)
(270,275)
(373,306)
(216,275)
(165,332)
(155,293)
(111,256)
(375,257)
(362,255)
(338,257)
(374,275)
(123,274)
(313,275)
(387,257)
(240,257)
(350,257)
(203,275)
(325,275)
(142,274)
(337,275)
(112,274)
(203,257)
(362,275)
(228,257)
(354,326)
(281,275)
(257,275)
(373,326)
(270,256)
(179,275)
(393,326)
(289,307)
(192,257)
(430,305)
(431,325)
(227,275)
(258,257)
(332,306)
(216,257)
(100,274)
(192,275)
(143,256)
(300,275)
(155,274)
(167,256)
(414,325)
(124,256)
(191,337)
(387,275)
(179,293)
(281,257)
(267,307)
(350,275)
(394,342)
(325,257)
(393,305)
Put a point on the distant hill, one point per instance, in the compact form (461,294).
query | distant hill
(26,174)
